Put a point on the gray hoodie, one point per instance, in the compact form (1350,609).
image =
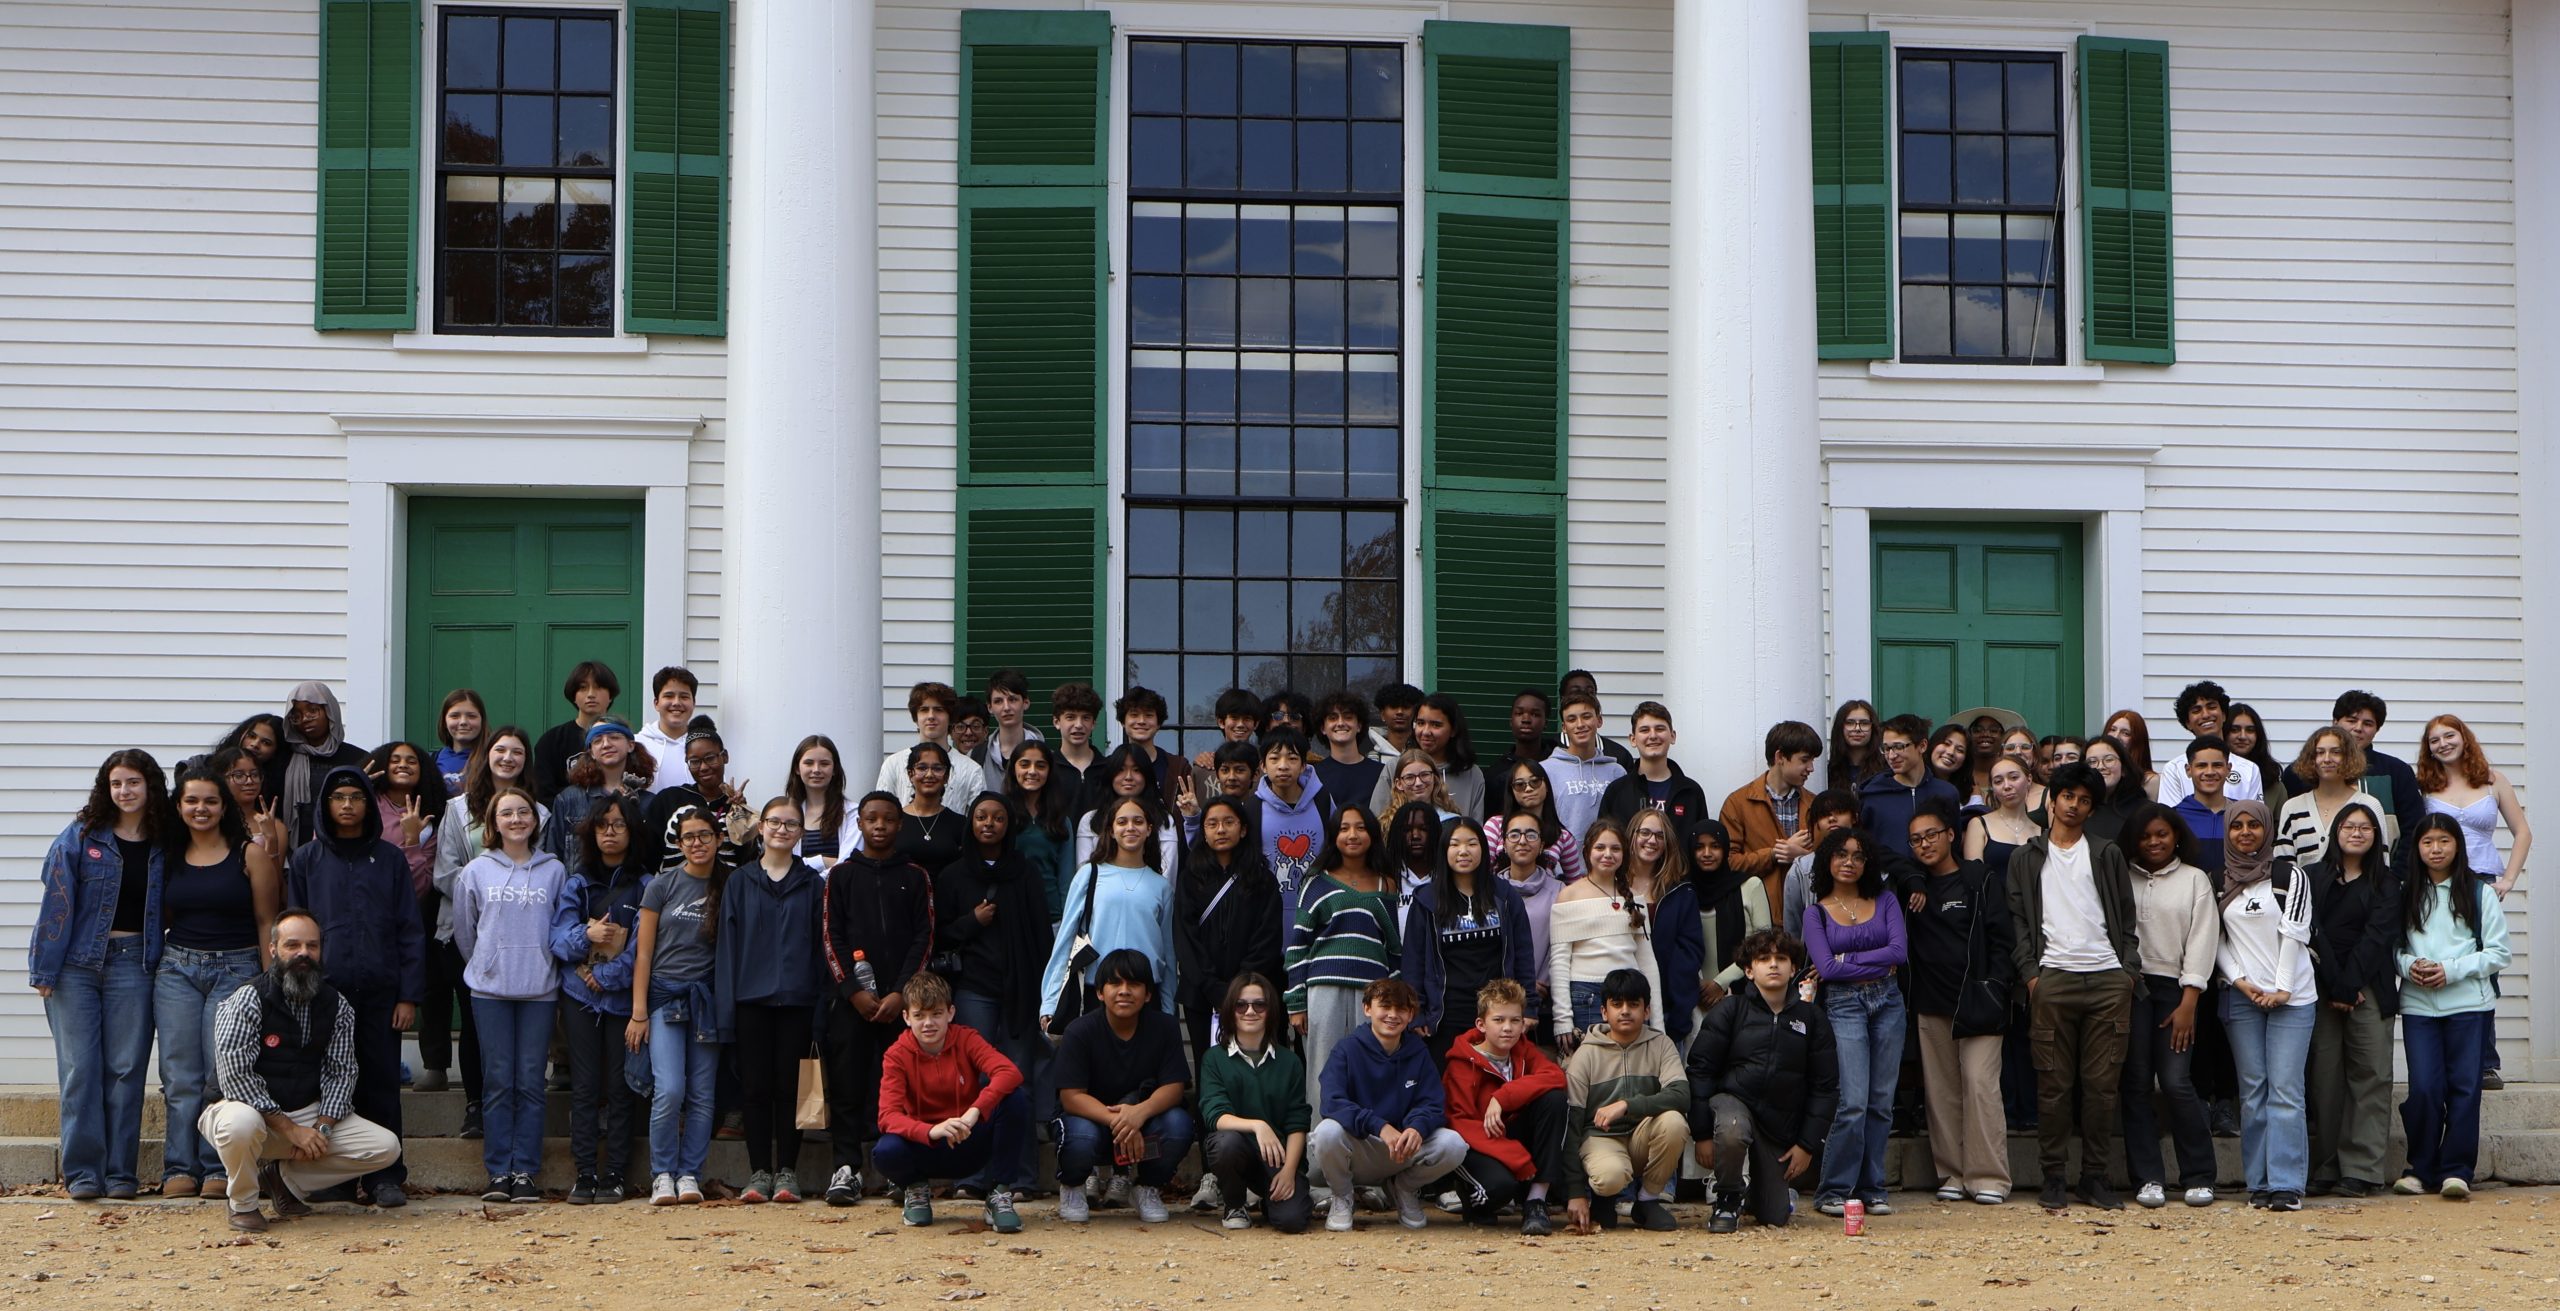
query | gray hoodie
(502,923)
(1540,896)
(1579,785)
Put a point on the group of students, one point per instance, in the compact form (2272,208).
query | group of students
(1555,975)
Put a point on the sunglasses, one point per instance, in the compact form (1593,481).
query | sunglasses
(1253,1004)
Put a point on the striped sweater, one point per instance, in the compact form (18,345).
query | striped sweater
(1340,937)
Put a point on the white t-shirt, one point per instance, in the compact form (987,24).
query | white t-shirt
(2075,925)
(2245,784)
(669,753)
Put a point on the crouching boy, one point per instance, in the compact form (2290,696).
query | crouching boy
(1626,1111)
(1763,1083)
(1507,1101)
(1384,1119)
(951,1106)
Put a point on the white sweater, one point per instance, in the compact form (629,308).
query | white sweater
(1586,938)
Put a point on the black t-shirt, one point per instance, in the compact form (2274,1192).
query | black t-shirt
(933,841)
(1939,934)
(1118,1073)
(208,907)
(1470,955)
(133,893)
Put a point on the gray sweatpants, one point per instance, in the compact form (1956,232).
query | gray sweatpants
(1344,1161)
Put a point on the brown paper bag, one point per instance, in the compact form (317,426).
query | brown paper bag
(812,1110)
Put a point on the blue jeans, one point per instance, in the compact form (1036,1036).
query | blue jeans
(983,1014)
(1587,1007)
(515,1036)
(989,1153)
(2271,1050)
(101,1020)
(1866,1028)
(682,1072)
(188,988)
(1083,1144)
(2442,1115)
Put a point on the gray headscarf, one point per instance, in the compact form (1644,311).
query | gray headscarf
(305,761)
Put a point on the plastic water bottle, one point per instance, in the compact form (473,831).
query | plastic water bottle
(1853,1217)
(865,979)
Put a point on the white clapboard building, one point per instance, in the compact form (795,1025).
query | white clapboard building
(1752,354)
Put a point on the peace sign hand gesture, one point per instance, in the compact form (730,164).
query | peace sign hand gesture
(1187,797)
(413,820)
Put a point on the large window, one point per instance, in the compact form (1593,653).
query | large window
(1265,439)
(524,172)
(1981,154)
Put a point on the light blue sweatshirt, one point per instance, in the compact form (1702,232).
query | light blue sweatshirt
(1135,909)
(502,923)
(2467,962)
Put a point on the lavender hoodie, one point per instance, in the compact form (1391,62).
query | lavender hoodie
(502,923)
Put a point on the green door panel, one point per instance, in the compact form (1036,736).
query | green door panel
(505,595)
(1980,614)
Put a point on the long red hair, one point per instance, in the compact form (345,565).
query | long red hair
(2137,744)
(2474,761)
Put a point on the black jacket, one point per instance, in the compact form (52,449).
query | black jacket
(2355,930)
(359,888)
(1241,934)
(1780,1063)
(1626,795)
(883,909)
(2114,879)
(1002,960)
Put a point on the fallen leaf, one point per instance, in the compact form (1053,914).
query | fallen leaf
(1024,1251)
(2511,1251)
(826,1248)
(971,1227)
(754,1266)
(494,1213)
(392,1289)
(111,1219)
(962,1295)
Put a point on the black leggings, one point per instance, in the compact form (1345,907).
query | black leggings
(770,1042)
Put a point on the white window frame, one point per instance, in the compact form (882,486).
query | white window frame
(1192,19)
(430,146)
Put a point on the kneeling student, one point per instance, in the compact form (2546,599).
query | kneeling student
(1384,1120)
(1121,1078)
(1507,1100)
(1626,1110)
(1763,1082)
(1253,1096)
(951,1107)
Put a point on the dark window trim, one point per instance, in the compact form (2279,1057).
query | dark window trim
(2057,244)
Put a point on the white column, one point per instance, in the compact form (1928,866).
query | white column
(800,613)
(1743,609)
(2535,48)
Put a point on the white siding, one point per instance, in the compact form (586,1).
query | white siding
(173,501)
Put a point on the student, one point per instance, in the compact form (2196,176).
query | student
(1657,873)
(1582,681)
(1579,771)
(1075,708)
(2122,792)
(951,1107)
(1412,849)
(1397,705)
(2335,766)
(671,694)
(2387,778)
(2452,941)
(410,795)
(359,887)
(1528,791)
(879,932)
(1240,719)
(612,764)
(2206,807)
(1526,874)
(2245,731)
(2456,778)
(1732,906)
(502,922)
(766,986)
(931,705)
(1763,1084)
(1346,768)
(1994,835)
(1121,1080)
(1960,979)
(1235,769)
(1656,782)
(1857,942)
(1141,712)
(590,690)
(673,1018)
(1126,776)
(1385,1120)
(459,725)
(1046,791)
(1626,1111)
(2265,962)
(2132,735)
(504,759)
(969,731)
(1440,733)
(1412,779)
(261,738)
(930,833)
(993,909)
(246,782)
(595,940)
(1466,928)
(1950,755)
(1121,898)
(97,941)
(1291,812)
(2354,908)
(1830,813)
(1507,1100)
(1985,727)
(1008,702)
(1342,939)
(2178,932)
(2204,708)
(1287,709)
(2071,903)
(1531,708)
(219,895)
(315,742)
(1228,917)
(828,827)
(708,788)
(1888,800)
(1595,928)
(1853,746)
(1766,815)
(1253,1101)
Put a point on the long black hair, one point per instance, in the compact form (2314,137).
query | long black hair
(1122,759)
(2461,886)
(1870,881)
(640,857)
(1461,751)
(234,826)
(1055,797)
(2258,755)
(430,787)
(1847,771)
(1444,880)
(2189,851)
(1330,858)
(2377,860)
(1550,824)
(1200,865)
(1150,851)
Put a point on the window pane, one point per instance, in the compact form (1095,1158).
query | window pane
(1262,615)
(1373,241)
(471,211)
(1209,154)
(529,56)
(1924,95)
(1209,461)
(586,131)
(1977,96)
(1208,613)
(1924,247)
(1314,615)
(586,291)
(1210,75)
(1155,77)
(1375,453)
(1321,72)
(1318,677)
(586,54)
(1977,247)
(1373,396)
(1264,240)
(1155,237)
(2032,327)
(1208,542)
(1925,169)
(586,214)
(1322,162)
(1161,673)
(1209,386)
(1320,241)
(1270,154)
(1978,329)
(1263,460)
(1319,320)
(1369,543)
(1264,675)
(1155,152)
(1264,380)
(1267,79)
(1924,321)
(1262,539)
(470,129)
(1154,541)
(1203,678)
(1264,306)
(526,219)
(525,131)
(1319,462)
(1209,312)
(1155,613)
(471,289)
(1978,171)
(2030,247)
(1371,621)
(1155,311)
(1377,83)
(1209,239)
(1374,313)
(471,51)
(524,291)
(1377,157)
(2031,171)
(2031,97)
(1155,459)
(1316,543)
(1155,386)
(1319,389)
(1368,676)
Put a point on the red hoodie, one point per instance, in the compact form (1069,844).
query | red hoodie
(1471,1081)
(918,1091)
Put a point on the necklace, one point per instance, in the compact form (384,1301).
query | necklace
(926,822)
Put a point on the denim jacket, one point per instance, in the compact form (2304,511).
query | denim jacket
(83,876)
(582,899)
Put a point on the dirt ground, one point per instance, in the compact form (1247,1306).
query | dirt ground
(2498,1250)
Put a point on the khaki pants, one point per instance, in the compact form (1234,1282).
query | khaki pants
(2078,1024)
(357,1147)
(1968,1130)
(1651,1154)
(2350,1093)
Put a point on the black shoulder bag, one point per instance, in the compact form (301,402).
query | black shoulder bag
(1075,996)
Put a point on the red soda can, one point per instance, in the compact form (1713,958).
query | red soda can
(1853,1217)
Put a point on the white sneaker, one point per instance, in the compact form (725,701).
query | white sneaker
(1239,1218)
(2454,1190)
(688,1189)
(1071,1204)
(1337,1218)
(662,1190)
(1206,1197)
(2199,1196)
(1409,1208)
(1951,1191)
(2407,1185)
(1151,1205)
(2152,1195)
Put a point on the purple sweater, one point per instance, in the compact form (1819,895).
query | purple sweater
(1867,951)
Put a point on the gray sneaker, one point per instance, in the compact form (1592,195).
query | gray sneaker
(1072,1206)
(1409,1211)
(1001,1216)
(786,1186)
(1151,1205)
(1337,1217)
(759,1187)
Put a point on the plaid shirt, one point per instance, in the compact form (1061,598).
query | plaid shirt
(236,1046)
(1790,807)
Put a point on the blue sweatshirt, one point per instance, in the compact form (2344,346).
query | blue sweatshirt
(1368,1088)
(1886,805)
(771,945)
(370,937)
(582,898)
(1291,836)
(502,923)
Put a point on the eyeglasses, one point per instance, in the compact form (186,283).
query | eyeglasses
(1422,776)
(1253,1004)
(1526,785)
(242,776)
(690,838)
(1927,835)
(1893,748)
(783,825)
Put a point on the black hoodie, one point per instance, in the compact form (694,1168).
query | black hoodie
(1002,960)
(1628,794)
(370,938)
(883,909)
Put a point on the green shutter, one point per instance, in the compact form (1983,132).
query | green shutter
(1035,272)
(2128,273)
(1853,292)
(367,258)
(1497,366)
(1032,566)
(676,218)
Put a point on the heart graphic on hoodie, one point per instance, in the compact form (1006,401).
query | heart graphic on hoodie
(1295,846)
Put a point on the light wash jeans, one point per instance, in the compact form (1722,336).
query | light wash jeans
(2271,1049)
(683,1072)
(189,987)
(1866,1030)
(101,1021)
(515,1035)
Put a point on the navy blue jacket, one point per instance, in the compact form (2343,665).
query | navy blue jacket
(1429,974)
(771,941)
(1885,808)
(582,899)
(370,938)
(1367,1088)
(1679,956)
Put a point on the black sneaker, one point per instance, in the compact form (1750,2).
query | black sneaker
(390,1197)
(471,1120)
(2283,1200)
(2056,1195)
(2095,1190)
(523,1189)
(583,1193)
(609,1190)
(1726,1217)
(500,1189)
(2354,1188)
(844,1188)
(2260,1200)
(1533,1219)
(1651,1215)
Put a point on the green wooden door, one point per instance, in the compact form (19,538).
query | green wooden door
(1980,614)
(507,595)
